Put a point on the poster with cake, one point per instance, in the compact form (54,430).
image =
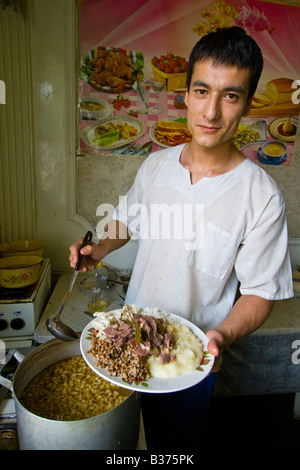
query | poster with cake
(151,34)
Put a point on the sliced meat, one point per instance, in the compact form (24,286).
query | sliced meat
(153,335)
(166,358)
(169,341)
(142,350)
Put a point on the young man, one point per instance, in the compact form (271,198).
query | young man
(232,227)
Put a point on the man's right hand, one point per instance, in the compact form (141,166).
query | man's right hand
(115,237)
(93,254)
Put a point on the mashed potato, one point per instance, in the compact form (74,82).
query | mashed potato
(188,351)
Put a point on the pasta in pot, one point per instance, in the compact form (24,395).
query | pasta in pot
(69,390)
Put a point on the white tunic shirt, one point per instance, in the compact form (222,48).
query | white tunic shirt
(198,241)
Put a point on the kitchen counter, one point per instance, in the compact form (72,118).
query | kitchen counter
(285,315)
(75,313)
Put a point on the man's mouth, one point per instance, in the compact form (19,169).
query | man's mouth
(208,129)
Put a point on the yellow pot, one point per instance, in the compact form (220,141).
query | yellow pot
(22,247)
(19,271)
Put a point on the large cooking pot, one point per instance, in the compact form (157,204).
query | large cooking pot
(117,429)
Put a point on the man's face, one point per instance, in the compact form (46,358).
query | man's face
(216,101)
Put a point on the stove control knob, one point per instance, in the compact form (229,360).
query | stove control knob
(17,324)
(3,324)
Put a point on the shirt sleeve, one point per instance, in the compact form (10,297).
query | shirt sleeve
(263,264)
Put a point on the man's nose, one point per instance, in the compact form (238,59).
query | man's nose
(212,109)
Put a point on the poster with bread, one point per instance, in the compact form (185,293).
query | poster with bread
(277,100)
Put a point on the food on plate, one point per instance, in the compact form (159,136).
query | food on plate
(109,68)
(279,90)
(106,135)
(170,63)
(245,135)
(172,132)
(187,351)
(284,129)
(69,390)
(136,344)
(172,125)
(287,128)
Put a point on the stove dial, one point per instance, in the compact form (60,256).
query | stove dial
(3,324)
(17,323)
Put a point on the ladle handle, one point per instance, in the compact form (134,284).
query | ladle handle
(5,383)
(86,241)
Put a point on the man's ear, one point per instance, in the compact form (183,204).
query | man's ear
(186,97)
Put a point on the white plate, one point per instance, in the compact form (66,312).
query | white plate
(273,129)
(89,132)
(153,385)
(152,133)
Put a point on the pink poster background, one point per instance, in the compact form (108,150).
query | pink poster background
(154,27)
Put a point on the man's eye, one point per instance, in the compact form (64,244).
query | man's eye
(201,91)
(232,96)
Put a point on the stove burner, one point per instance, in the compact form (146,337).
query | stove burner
(17,293)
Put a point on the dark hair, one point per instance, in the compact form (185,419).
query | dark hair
(229,46)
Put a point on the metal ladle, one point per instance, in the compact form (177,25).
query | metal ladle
(56,327)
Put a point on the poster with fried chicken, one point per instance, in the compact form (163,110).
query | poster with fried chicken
(133,69)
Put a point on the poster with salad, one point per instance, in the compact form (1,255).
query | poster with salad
(133,74)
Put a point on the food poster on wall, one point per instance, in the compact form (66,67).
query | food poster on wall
(133,74)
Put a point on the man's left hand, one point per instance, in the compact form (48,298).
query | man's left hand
(215,346)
